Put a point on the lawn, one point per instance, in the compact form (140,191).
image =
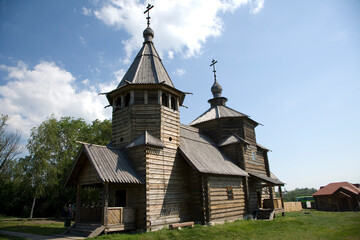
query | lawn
(296,225)
(42,227)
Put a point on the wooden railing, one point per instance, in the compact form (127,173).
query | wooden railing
(90,214)
(277,203)
(121,215)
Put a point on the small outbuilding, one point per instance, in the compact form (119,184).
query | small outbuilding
(339,196)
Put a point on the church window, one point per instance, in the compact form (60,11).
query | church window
(127,99)
(152,97)
(138,97)
(165,100)
(118,103)
(230,193)
(173,103)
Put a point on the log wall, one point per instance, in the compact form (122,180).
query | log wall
(257,165)
(220,207)
(167,183)
(87,174)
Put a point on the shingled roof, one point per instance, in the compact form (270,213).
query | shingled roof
(111,165)
(147,67)
(146,139)
(333,187)
(203,155)
(216,113)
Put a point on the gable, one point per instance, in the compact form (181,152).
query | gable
(333,187)
(98,164)
(203,154)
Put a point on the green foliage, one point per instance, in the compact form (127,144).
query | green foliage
(9,144)
(52,151)
(290,196)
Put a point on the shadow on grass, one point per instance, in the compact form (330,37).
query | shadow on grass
(5,237)
(40,230)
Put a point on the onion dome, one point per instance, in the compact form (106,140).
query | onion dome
(216,89)
(148,34)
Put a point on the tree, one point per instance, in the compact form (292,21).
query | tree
(9,143)
(291,195)
(53,150)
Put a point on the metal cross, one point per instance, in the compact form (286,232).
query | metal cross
(149,6)
(213,62)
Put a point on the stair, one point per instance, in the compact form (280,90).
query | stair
(265,214)
(86,229)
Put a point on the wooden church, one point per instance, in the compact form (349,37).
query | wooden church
(157,172)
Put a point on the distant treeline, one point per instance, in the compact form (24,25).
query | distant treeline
(290,196)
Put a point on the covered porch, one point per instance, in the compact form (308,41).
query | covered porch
(268,205)
(108,187)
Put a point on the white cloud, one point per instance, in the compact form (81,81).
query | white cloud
(256,6)
(32,95)
(180,26)
(82,40)
(180,71)
(170,54)
(86,11)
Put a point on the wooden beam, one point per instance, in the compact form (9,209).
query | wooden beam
(271,197)
(105,200)
(78,203)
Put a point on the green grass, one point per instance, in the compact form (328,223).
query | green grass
(297,225)
(4,237)
(34,227)
(316,225)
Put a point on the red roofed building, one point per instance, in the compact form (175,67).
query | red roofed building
(339,196)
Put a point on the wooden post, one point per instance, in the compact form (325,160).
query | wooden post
(132,97)
(169,101)
(159,97)
(78,204)
(146,97)
(281,197)
(271,197)
(247,195)
(105,200)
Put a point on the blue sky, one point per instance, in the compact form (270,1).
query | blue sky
(293,66)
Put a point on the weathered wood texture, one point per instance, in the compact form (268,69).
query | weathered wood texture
(292,206)
(121,215)
(219,129)
(254,165)
(222,208)
(130,122)
(135,199)
(87,174)
(254,192)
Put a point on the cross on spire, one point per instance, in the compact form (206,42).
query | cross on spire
(149,6)
(213,62)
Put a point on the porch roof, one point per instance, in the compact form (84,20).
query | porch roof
(272,180)
(110,164)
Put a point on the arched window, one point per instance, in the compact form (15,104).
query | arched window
(173,103)
(127,99)
(118,103)
(165,99)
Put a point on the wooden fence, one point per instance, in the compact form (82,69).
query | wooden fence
(292,206)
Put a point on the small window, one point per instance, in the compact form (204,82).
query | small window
(118,103)
(173,103)
(229,193)
(127,99)
(254,156)
(165,100)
